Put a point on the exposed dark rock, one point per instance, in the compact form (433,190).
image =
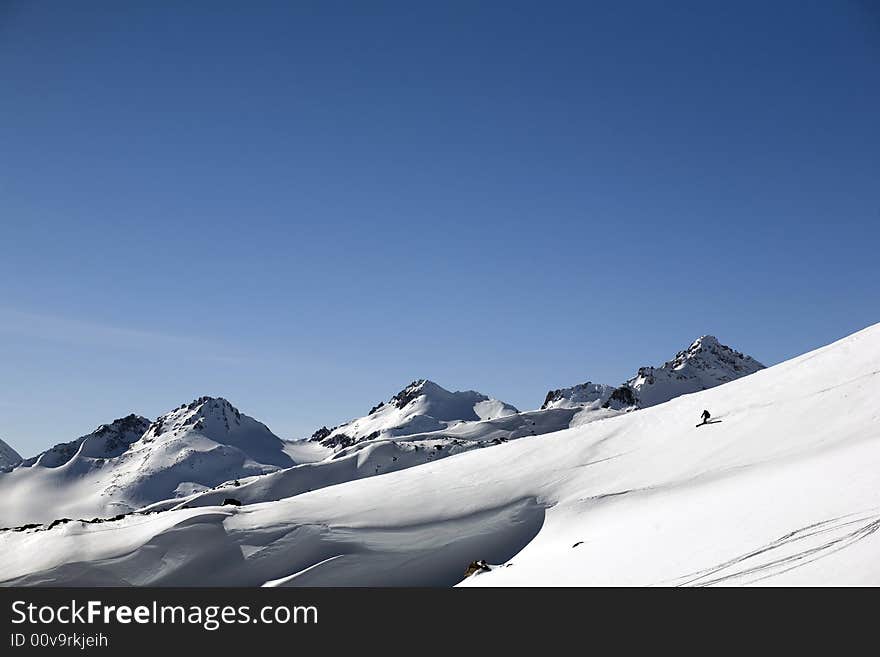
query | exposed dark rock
(405,396)
(552,396)
(59,521)
(342,440)
(476,567)
(320,434)
(647,373)
(621,397)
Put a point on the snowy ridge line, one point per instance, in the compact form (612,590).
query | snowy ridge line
(132,462)
(194,453)
(9,458)
(776,493)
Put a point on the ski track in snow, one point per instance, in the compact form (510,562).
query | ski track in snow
(806,545)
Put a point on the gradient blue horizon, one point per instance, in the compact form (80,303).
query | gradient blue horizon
(304,206)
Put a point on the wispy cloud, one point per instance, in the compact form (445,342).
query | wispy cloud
(84,332)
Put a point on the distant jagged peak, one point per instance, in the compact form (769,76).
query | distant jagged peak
(321,433)
(706,341)
(708,347)
(421,406)
(106,441)
(208,422)
(706,354)
(621,398)
(210,415)
(583,394)
(410,392)
(706,363)
(129,424)
(427,388)
(9,458)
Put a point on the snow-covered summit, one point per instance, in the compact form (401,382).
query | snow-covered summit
(420,407)
(215,419)
(705,364)
(9,458)
(783,490)
(585,395)
(132,462)
(714,362)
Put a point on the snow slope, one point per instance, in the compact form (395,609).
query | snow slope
(131,462)
(392,436)
(376,456)
(9,458)
(781,489)
(156,486)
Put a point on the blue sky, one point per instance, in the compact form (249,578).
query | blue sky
(304,206)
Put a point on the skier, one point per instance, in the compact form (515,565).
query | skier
(705,417)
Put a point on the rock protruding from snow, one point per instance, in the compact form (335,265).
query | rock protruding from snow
(9,458)
(705,364)
(583,395)
(623,398)
(106,442)
(423,406)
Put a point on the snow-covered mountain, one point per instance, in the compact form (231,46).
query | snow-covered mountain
(107,441)
(705,364)
(425,422)
(9,458)
(327,466)
(132,462)
(421,407)
(584,395)
(194,454)
(781,488)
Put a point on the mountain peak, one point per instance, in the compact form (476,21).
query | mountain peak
(706,363)
(710,352)
(211,414)
(9,458)
(129,423)
(705,341)
(106,441)
(198,445)
(416,389)
(421,407)
(581,395)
